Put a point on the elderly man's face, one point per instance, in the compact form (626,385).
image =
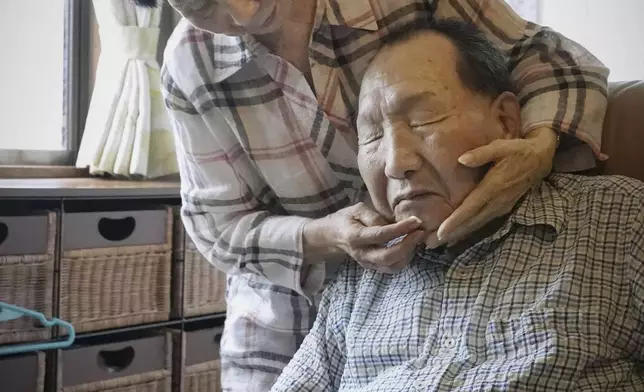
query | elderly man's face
(415,119)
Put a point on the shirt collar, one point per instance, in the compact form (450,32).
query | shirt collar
(541,206)
(357,14)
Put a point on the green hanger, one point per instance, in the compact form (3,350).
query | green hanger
(11,312)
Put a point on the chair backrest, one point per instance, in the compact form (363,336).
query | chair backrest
(623,136)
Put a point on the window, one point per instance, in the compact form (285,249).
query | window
(50,50)
(43,77)
(611,30)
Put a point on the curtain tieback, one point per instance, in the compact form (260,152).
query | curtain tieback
(135,43)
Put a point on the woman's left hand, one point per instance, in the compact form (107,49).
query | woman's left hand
(518,164)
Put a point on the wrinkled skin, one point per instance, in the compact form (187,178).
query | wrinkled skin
(413,125)
(235,17)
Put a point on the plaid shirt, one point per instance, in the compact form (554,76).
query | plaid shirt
(260,152)
(552,301)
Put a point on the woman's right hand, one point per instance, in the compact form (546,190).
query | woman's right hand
(363,234)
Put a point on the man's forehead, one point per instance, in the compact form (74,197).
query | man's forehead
(428,57)
(392,89)
(407,96)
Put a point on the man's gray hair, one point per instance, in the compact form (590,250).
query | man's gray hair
(482,66)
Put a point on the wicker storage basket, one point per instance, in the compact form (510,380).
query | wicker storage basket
(196,364)
(112,287)
(141,365)
(200,288)
(24,373)
(27,255)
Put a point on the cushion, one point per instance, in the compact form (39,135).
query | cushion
(623,134)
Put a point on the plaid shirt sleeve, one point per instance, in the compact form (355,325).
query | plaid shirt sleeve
(222,210)
(319,363)
(560,84)
(636,259)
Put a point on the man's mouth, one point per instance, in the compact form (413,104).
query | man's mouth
(410,196)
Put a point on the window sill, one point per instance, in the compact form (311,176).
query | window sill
(38,171)
(45,182)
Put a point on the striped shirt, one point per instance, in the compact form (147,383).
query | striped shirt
(260,152)
(552,301)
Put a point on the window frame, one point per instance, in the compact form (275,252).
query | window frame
(76,78)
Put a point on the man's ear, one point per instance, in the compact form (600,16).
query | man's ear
(506,106)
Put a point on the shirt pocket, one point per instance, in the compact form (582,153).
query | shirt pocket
(376,354)
(558,342)
(389,335)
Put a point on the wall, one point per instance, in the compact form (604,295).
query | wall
(612,30)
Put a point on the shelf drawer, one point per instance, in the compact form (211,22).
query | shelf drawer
(200,288)
(25,235)
(90,230)
(111,280)
(197,366)
(139,364)
(27,257)
(24,373)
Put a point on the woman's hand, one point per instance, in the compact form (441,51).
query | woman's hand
(518,164)
(363,234)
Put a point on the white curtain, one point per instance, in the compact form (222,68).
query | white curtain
(127,132)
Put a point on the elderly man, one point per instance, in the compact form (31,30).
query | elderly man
(547,298)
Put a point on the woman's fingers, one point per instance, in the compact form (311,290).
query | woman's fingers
(393,258)
(380,235)
(488,153)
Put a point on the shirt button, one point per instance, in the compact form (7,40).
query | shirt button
(419,385)
(462,273)
(449,343)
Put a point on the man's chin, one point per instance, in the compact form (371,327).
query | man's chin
(430,225)
(430,222)
(432,241)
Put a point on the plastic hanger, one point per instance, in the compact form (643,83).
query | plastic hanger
(10,312)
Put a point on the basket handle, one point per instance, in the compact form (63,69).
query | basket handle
(10,312)
(114,361)
(4,232)
(116,229)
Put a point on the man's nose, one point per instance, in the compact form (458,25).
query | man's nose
(403,154)
(243,11)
